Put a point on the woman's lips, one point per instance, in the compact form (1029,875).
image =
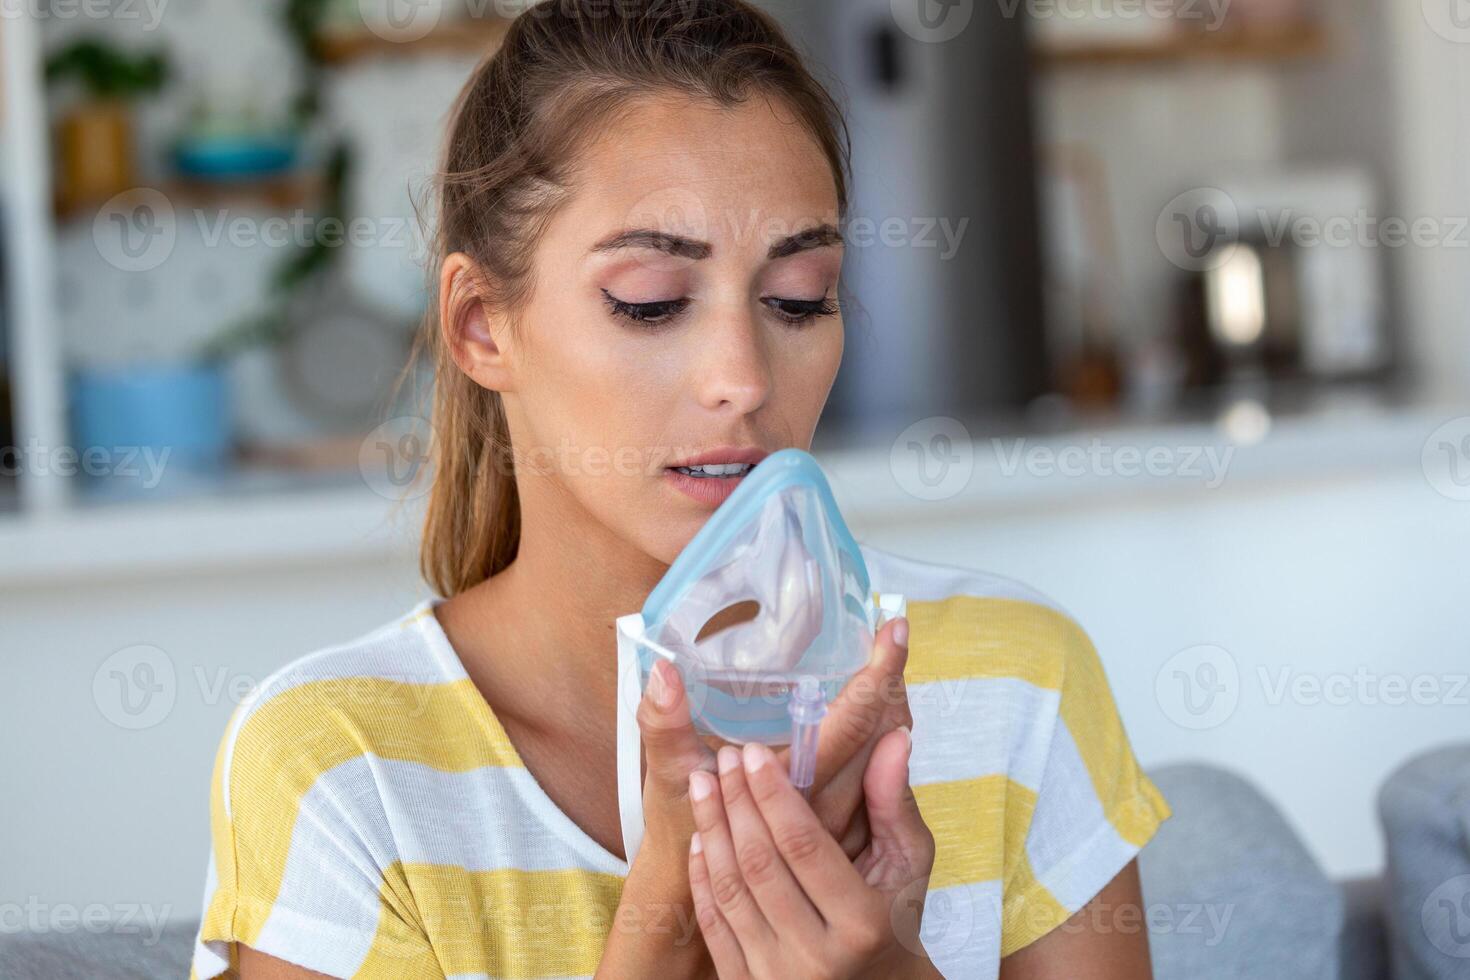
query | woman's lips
(709,490)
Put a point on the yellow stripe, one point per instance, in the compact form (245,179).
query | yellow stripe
(1028,910)
(962,815)
(288,742)
(1132,802)
(967,636)
(504,923)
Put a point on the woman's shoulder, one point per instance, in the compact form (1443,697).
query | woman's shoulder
(389,693)
(1020,756)
(967,623)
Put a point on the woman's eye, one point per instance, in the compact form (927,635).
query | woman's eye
(647,313)
(800,310)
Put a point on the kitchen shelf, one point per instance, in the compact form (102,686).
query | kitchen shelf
(478,35)
(281,193)
(1260,44)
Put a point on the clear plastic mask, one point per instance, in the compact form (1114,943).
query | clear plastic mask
(773,588)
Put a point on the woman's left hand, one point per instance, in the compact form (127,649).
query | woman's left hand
(776,896)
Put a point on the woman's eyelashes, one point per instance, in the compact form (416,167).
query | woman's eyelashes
(791,311)
(800,310)
(646,313)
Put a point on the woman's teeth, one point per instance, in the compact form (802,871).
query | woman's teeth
(715,470)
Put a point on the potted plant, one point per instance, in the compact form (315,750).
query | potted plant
(95,137)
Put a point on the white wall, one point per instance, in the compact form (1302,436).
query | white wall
(1431,82)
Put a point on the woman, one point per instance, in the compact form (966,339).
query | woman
(639,256)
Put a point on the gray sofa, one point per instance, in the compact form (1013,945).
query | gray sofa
(1231,893)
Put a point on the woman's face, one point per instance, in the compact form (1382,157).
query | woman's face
(684,308)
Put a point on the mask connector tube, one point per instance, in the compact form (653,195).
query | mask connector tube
(807,706)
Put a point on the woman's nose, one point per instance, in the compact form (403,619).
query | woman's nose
(736,372)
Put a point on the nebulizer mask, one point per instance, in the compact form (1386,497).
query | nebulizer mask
(766,614)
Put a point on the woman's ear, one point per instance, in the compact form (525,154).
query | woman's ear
(475,336)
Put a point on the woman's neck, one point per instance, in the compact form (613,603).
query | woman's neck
(539,637)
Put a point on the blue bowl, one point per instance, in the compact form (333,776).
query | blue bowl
(183,411)
(234,157)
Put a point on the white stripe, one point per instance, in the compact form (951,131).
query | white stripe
(369,812)
(922,581)
(961,929)
(970,727)
(1097,861)
(532,834)
(1073,848)
(314,942)
(212,958)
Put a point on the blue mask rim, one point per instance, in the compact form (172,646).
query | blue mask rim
(782,469)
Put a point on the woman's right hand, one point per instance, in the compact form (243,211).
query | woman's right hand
(654,931)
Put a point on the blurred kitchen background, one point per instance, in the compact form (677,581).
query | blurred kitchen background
(1164,314)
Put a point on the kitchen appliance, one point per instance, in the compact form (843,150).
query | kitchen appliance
(1292,288)
(943,268)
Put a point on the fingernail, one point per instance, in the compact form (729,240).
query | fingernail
(755,756)
(901,631)
(658,688)
(695,844)
(728,758)
(908,738)
(699,785)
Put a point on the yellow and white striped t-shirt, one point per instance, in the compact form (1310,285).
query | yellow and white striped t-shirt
(370,817)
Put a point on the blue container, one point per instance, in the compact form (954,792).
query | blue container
(235,157)
(181,410)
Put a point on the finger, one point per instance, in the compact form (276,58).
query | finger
(899,833)
(732,897)
(853,718)
(780,898)
(671,746)
(719,938)
(873,703)
(822,869)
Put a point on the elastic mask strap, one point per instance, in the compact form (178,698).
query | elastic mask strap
(630,744)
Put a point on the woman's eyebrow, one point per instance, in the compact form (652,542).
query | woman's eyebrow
(685,248)
(819,236)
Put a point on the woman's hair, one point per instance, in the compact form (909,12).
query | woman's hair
(564,69)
